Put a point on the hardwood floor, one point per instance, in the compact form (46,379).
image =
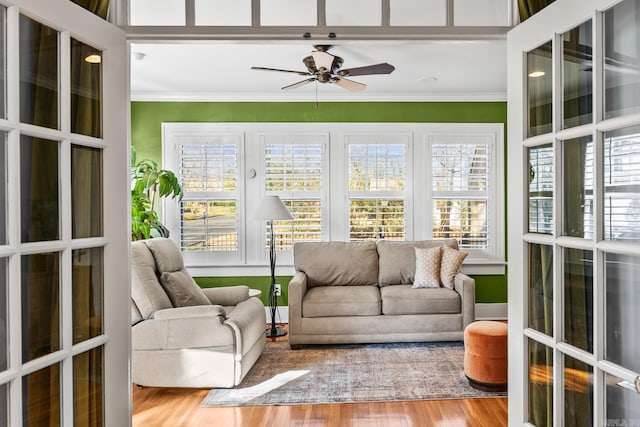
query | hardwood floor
(169,407)
(180,407)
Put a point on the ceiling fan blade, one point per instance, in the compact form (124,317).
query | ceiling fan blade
(382,68)
(349,85)
(299,84)
(300,73)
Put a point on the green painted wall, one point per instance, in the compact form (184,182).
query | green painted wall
(146,137)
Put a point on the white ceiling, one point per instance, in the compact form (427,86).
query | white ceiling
(220,71)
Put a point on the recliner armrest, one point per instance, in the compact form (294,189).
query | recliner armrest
(227,295)
(189,312)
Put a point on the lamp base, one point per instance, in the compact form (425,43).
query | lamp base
(277,333)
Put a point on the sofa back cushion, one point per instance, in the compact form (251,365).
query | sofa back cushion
(398,259)
(337,263)
(146,291)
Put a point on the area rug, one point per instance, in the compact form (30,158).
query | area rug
(352,373)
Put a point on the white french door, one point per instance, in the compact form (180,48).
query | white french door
(574,215)
(64,281)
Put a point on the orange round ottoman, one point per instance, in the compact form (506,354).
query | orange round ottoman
(485,355)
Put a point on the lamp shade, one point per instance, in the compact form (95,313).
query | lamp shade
(270,208)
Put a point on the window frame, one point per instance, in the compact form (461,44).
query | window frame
(285,257)
(171,207)
(253,259)
(388,138)
(494,140)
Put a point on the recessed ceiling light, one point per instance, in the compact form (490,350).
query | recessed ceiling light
(94,58)
(537,74)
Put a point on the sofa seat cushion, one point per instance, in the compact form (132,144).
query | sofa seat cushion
(327,301)
(403,299)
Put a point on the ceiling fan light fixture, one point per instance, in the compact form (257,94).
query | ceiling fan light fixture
(323,67)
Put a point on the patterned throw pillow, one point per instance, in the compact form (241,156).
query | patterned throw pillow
(427,268)
(450,265)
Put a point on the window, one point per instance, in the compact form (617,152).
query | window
(460,187)
(210,208)
(340,181)
(377,183)
(293,170)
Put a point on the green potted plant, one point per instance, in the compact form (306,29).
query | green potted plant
(148,182)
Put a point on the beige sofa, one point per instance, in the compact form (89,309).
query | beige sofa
(211,340)
(361,292)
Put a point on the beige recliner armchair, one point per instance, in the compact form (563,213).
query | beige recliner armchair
(185,336)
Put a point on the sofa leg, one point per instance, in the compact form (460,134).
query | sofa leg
(295,346)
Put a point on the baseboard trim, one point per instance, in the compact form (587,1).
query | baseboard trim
(484,311)
(282,314)
(491,311)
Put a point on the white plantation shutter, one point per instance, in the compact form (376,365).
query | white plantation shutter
(293,167)
(209,172)
(377,182)
(460,191)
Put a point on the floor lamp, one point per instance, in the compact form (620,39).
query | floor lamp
(271,208)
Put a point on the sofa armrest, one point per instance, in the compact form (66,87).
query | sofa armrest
(227,295)
(184,327)
(466,287)
(297,291)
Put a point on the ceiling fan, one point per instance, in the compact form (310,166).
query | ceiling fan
(324,67)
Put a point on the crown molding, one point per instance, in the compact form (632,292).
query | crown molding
(310,97)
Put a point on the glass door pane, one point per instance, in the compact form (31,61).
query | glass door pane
(622,407)
(41,398)
(40,305)
(87,282)
(39,178)
(577,70)
(86,89)
(577,182)
(4,318)
(539,90)
(541,189)
(39,80)
(578,298)
(622,315)
(86,192)
(3,188)
(88,406)
(622,59)
(622,184)
(578,393)
(3,62)
(540,384)
(541,288)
